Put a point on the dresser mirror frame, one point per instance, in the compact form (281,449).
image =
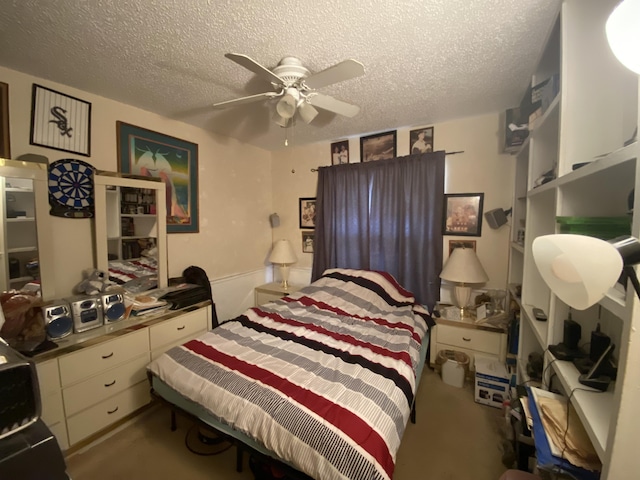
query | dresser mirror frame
(37,173)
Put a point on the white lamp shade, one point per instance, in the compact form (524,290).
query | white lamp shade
(463,266)
(307,111)
(286,106)
(623,34)
(282,253)
(579,270)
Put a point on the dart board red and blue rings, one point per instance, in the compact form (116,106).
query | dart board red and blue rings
(71,188)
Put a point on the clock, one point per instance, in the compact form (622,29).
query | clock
(71,188)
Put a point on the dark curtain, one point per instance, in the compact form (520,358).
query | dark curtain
(383,215)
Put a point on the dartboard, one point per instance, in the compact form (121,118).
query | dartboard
(71,188)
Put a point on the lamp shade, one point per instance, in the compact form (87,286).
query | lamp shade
(579,270)
(282,253)
(286,106)
(463,266)
(623,33)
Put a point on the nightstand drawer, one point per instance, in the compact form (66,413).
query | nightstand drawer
(477,340)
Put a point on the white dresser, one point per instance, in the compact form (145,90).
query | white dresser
(93,380)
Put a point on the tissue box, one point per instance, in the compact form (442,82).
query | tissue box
(491,381)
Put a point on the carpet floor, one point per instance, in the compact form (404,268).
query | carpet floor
(454,438)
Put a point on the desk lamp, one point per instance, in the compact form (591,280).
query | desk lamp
(580,270)
(463,268)
(283,255)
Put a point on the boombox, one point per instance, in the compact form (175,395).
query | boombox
(57,319)
(113,307)
(86,311)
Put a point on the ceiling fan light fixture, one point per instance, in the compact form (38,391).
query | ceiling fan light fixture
(286,106)
(281,121)
(307,111)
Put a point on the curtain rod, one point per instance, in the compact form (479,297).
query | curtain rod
(446,153)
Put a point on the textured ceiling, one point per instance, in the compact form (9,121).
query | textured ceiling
(426,61)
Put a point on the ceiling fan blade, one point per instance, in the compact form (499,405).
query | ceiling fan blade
(250,99)
(338,73)
(255,67)
(333,105)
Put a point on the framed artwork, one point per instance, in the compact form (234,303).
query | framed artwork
(380,146)
(463,214)
(151,154)
(421,140)
(307,242)
(5,144)
(60,121)
(308,213)
(461,244)
(340,152)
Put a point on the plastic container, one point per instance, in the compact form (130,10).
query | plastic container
(454,365)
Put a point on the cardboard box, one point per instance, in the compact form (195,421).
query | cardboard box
(491,381)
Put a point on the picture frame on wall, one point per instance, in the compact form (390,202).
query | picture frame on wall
(340,152)
(381,146)
(60,121)
(308,212)
(152,154)
(461,244)
(307,241)
(421,140)
(5,141)
(463,214)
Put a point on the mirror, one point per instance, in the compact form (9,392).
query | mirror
(25,254)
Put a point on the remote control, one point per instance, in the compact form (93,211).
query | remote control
(539,314)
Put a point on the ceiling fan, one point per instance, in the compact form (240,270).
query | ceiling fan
(295,86)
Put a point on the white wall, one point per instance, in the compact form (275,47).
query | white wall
(234,184)
(481,168)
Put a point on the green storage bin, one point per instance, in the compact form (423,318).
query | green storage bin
(604,228)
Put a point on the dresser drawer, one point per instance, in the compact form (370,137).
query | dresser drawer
(60,432)
(52,411)
(85,363)
(95,389)
(476,340)
(48,377)
(105,413)
(185,326)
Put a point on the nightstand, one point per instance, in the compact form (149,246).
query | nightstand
(487,336)
(273,291)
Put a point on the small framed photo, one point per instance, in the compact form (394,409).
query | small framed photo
(463,214)
(421,140)
(380,146)
(5,146)
(462,244)
(307,242)
(308,213)
(340,152)
(60,121)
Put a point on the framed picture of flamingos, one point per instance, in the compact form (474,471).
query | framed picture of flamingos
(151,154)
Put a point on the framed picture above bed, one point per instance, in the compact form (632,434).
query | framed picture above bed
(151,154)
(380,146)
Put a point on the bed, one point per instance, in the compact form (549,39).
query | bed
(323,379)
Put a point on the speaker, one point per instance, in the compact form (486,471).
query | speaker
(113,308)
(496,217)
(58,320)
(572,334)
(86,311)
(274,220)
(599,343)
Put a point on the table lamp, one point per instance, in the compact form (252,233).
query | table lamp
(580,270)
(283,255)
(463,268)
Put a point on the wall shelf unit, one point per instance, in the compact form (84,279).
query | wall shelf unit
(589,122)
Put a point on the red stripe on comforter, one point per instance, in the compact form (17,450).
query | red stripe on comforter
(343,419)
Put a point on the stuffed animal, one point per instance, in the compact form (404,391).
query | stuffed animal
(95,281)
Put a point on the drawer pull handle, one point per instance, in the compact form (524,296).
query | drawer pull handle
(107,356)
(181,328)
(113,411)
(466,339)
(109,384)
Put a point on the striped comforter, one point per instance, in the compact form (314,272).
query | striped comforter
(324,378)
